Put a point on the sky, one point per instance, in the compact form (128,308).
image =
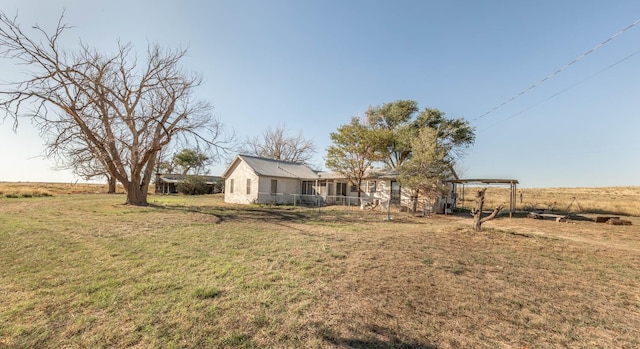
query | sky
(311,65)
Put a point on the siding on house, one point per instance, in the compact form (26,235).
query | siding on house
(261,172)
(291,177)
(240,173)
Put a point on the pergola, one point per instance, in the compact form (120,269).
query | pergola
(511,182)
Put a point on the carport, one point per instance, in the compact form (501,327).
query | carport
(511,182)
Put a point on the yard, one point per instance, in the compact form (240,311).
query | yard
(85,271)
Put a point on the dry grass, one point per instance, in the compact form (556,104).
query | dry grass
(33,189)
(85,271)
(606,200)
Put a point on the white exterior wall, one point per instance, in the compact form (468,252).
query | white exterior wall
(383,193)
(240,174)
(285,188)
(288,190)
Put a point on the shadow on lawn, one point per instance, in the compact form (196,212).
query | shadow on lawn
(379,338)
(229,214)
(276,214)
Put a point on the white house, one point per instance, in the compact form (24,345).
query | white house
(251,179)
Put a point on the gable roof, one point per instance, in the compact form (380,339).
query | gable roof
(273,168)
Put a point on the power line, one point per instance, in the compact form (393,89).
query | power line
(559,70)
(563,90)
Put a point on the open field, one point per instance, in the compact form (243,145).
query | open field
(606,200)
(33,189)
(85,271)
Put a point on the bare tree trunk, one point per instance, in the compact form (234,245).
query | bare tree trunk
(477,211)
(136,195)
(112,182)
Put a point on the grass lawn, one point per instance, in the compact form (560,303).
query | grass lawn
(84,271)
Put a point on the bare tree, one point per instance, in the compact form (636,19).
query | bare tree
(276,143)
(477,211)
(84,164)
(119,111)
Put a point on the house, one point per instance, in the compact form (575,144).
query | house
(168,183)
(251,179)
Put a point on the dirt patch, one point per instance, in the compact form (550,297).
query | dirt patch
(625,237)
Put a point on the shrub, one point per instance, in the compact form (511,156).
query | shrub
(194,185)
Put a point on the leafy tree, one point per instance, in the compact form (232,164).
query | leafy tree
(425,170)
(396,124)
(121,111)
(194,185)
(352,152)
(392,130)
(276,143)
(455,136)
(191,160)
(401,133)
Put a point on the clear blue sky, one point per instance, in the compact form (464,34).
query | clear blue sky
(312,65)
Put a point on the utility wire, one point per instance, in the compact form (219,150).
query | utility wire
(559,70)
(563,90)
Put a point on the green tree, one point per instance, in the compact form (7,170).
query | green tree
(455,136)
(428,166)
(392,130)
(395,125)
(194,185)
(191,161)
(352,152)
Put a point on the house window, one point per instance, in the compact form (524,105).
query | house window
(354,188)
(231,186)
(372,186)
(274,186)
(248,186)
(341,189)
(395,192)
(307,188)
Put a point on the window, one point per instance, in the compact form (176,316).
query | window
(341,189)
(354,188)
(274,186)
(248,186)
(307,188)
(395,192)
(231,186)
(372,186)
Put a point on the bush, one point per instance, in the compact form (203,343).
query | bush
(194,185)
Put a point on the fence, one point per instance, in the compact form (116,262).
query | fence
(338,200)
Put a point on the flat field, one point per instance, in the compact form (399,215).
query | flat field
(605,200)
(192,272)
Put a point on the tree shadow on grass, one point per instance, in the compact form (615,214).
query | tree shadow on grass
(377,338)
(275,214)
(242,214)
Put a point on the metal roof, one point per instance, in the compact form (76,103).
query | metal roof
(484,181)
(177,178)
(278,168)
